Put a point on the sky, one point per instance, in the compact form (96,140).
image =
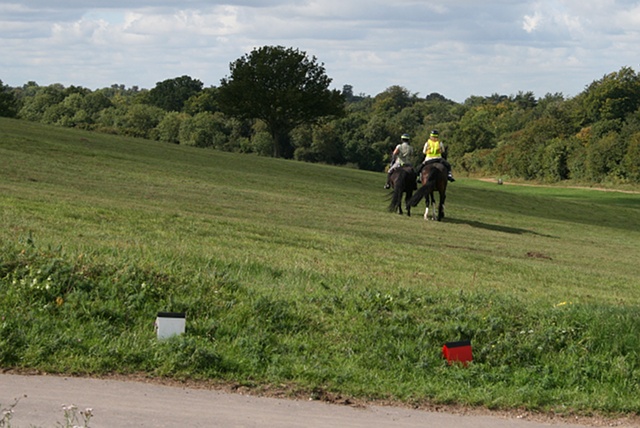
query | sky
(456,48)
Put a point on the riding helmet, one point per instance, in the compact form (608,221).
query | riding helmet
(405,137)
(435,133)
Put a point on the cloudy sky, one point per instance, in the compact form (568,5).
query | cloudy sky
(457,48)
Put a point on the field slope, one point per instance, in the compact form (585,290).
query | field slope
(294,276)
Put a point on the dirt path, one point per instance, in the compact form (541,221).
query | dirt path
(599,189)
(119,403)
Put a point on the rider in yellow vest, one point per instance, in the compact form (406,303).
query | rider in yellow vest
(433,152)
(401,156)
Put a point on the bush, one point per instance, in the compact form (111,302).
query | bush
(262,143)
(140,120)
(168,130)
(197,130)
(554,161)
(631,160)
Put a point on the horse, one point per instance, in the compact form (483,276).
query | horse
(402,180)
(433,177)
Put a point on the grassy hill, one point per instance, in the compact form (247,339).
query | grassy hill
(294,276)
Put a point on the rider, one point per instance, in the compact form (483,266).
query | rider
(401,156)
(433,151)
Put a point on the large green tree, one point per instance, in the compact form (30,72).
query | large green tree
(284,88)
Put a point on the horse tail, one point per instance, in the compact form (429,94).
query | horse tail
(425,190)
(398,188)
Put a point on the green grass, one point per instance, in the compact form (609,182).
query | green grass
(295,274)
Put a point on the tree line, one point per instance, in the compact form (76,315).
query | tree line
(277,102)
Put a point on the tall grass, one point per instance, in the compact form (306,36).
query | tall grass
(295,274)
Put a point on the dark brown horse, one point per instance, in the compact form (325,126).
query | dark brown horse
(402,180)
(433,177)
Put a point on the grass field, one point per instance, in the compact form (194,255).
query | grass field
(294,276)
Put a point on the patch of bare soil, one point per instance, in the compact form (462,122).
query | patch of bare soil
(537,255)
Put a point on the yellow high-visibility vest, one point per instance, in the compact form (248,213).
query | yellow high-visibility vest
(432,149)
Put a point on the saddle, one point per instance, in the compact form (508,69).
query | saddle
(434,160)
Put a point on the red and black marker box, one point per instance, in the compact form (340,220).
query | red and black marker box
(458,351)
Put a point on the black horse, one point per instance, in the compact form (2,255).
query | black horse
(433,177)
(402,180)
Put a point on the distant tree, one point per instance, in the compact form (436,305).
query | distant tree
(496,99)
(613,97)
(525,100)
(476,130)
(76,90)
(408,120)
(327,144)
(62,113)
(437,110)
(394,99)
(631,161)
(604,157)
(207,129)
(172,94)
(434,96)
(140,120)
(349,96)
(554,161)
(320,143)
(34,107)
(29,89)
(116,90)
(302,140)
(283,88)
(168,130)
(474,101)
(202,101)
(95,102)
(347,92)
(360,146)
(8,102)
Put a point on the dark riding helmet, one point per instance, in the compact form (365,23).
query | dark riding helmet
(405,137)
(435,133)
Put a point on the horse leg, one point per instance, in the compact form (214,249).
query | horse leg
(426,209)
(434,213)
(443,196)
(430,206)
(407,197)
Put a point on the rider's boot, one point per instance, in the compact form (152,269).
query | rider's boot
(450,177)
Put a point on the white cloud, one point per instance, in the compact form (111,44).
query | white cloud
(531,22)
(457,48)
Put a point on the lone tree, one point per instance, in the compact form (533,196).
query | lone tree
(283,88)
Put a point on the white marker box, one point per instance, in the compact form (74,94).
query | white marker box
(170,324)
